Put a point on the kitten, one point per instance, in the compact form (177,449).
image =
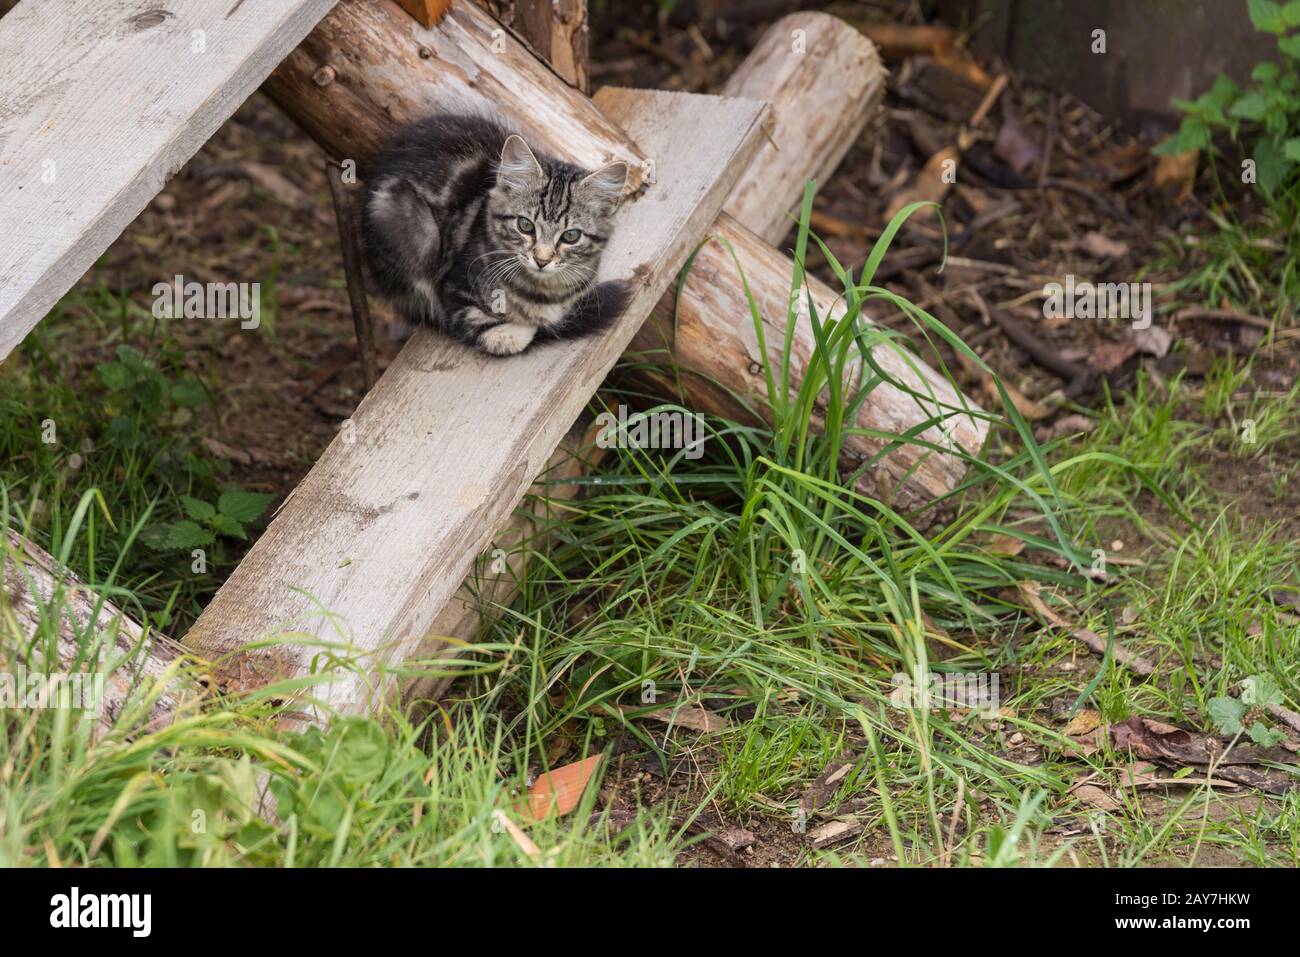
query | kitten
(468,230)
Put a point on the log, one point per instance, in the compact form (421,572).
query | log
(368,68)
(555,30)
(382,531)
(824,81)
(716,349)
(31,587)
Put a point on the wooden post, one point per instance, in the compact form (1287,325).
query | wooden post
(350,245)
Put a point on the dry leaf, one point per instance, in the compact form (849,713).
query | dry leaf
(1153,340)
(1102,246)
(1175,174)
(1006,545)
(1096,796)
(689,716)
(930,184)
(1083,722)
(558,792)
(1111,355)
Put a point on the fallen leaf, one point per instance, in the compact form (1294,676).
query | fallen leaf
(1014,146)
(558,792)
(1109,356)
(1066,425)
(1175,174)
(1153,341)
(689,716)
(1102,246)
(1085,721)
(1096,796)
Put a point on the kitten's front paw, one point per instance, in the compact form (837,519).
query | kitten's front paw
(507,339)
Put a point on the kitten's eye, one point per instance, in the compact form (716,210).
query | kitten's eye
(571,235)
(525,225)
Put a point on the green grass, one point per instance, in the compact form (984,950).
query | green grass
(755,582)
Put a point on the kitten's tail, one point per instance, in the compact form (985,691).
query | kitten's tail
(595,311)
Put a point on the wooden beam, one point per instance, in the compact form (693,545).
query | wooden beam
(101,102)
(33,590)
(383,530)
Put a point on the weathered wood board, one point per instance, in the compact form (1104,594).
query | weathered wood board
(382,531)
(101,101)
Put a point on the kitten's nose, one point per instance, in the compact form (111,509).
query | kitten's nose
(543,254)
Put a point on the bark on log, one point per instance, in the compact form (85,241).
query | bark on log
(379,79)
(556,30)
(31,587)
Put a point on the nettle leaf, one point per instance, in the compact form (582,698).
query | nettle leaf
(1252,106)
(1267,15)
(228,526)
(1193,134)
(1290,46)
(1291,13)
(197,509)
(1291,149)
(243,506)
(1271,165)
(1226,713)
(184,534)
(1265,737)
(1264,73)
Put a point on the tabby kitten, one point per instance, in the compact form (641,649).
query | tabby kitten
(468,230)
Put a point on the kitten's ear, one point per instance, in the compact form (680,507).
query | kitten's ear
(519,166)
(606,184)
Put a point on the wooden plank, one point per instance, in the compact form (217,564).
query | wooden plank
(384,528)
(101,102)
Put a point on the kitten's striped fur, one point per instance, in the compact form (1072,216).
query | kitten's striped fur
(468,230)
